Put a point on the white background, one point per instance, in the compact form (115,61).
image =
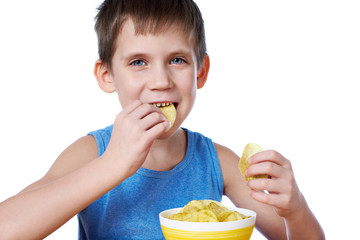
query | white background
(283,74)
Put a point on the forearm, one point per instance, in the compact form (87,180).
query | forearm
(303,225)
(36,213)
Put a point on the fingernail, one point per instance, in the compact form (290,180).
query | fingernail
(169,125)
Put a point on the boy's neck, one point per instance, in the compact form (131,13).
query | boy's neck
(165,154)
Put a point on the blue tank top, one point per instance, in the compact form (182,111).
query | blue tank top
(131,210)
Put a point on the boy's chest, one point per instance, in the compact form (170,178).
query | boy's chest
(132,208)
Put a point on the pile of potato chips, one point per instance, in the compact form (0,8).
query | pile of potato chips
(206,211)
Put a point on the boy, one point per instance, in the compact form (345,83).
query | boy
(119,178)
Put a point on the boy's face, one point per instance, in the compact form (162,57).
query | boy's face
(157,68)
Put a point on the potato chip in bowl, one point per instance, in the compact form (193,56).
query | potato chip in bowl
(207,219)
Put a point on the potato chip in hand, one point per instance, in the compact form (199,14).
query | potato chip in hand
(249,150)
(169,112)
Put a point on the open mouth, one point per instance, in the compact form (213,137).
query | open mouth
(160,105)
(169,111)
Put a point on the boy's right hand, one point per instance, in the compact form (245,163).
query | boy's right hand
(79,177)
(135,129)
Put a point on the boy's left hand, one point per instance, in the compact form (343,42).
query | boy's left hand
(283,192)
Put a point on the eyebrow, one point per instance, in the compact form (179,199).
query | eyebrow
(139,54)
(181,51)
(132,55)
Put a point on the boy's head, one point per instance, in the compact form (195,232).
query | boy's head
(149,17)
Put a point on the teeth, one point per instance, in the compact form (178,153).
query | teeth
(161,104)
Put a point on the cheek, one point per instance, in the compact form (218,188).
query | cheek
(127,92)
(190,83)
(189,86)
(189,89)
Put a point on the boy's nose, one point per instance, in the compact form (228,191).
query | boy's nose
(160,79)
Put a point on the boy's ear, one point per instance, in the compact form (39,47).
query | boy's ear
(103,77)
(203,72)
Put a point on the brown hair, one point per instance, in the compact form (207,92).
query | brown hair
(149,16)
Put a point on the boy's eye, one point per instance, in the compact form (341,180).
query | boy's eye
(177,61)
(137,63)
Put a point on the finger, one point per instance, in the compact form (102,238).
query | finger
(272,199)
(152,119)
(269,156)
(266,184)
(155,132)
(132,106)
(143,110)
(268,168)
(282,202)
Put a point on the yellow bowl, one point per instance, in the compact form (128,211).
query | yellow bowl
(239,230)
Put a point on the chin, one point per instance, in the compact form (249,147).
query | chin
(169,133)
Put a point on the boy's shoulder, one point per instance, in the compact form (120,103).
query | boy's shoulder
(225,154)
(229,161)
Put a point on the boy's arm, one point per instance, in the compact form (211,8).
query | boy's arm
(71,184)
(84,150)
(272,220)
(78,177)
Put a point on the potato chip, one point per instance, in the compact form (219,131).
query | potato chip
(206,202)
(249,150)
(220,211)
(204,215)
(169,112)
(181,216)
(233,216)
(206,211)
(193,206)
